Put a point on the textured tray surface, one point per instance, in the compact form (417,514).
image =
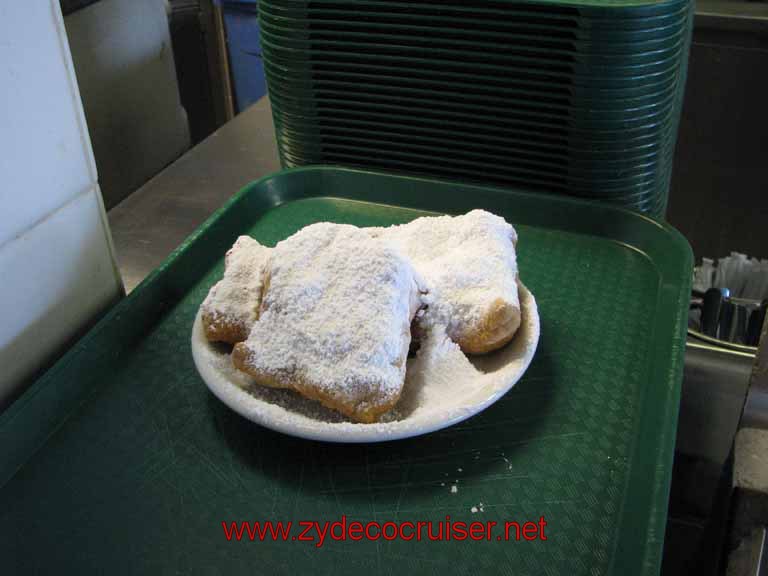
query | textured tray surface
(582,68)
(137,464)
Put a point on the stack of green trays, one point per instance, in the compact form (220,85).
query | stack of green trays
(580,98)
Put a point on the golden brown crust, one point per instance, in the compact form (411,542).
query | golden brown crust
(496,328)
(266,278)
(366,410)
(220,329)
(232,304)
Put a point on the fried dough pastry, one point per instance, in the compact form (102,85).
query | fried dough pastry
(334,322)
(232,305)
(468,263)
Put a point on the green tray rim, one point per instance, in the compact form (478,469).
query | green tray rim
(650,132)
(576,154)
(562,90)
(602,46)
(34,417)
(602,9)
(578,66)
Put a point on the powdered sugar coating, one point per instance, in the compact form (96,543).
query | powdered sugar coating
(468,262)
(336,314)
(236,297)
(441,385)
(442,388)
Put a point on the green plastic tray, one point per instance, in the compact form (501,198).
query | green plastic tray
(573,12)
(605,125)
(618,21)
(300,34)
(652,202)
(608,76)
(419,98)
(600,50)
(573,156)
(525,172)
(566,91)
(549,75)
(496,25)
(120,461)
(604,43)
(462,102)
(607,174)
(515,122)
(569,86)
(348,83)
(589,37)
(571,151)
(550,102)
(554,76)
(457,60)
(596,178)
(585,39)
(544,146)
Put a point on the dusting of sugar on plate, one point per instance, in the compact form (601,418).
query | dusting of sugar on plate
(442,387)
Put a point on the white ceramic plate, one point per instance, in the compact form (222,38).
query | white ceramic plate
(443,387)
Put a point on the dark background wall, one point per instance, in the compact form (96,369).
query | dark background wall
(69,6)
(719,192)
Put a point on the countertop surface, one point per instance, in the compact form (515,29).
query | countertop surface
(155,219)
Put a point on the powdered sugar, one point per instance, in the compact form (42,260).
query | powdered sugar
(468,262)
(337,314)
(237,295)
(442,387)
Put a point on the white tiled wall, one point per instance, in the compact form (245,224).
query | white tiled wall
(46,157)
(56,258)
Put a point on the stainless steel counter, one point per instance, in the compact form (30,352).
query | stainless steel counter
(155,219)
